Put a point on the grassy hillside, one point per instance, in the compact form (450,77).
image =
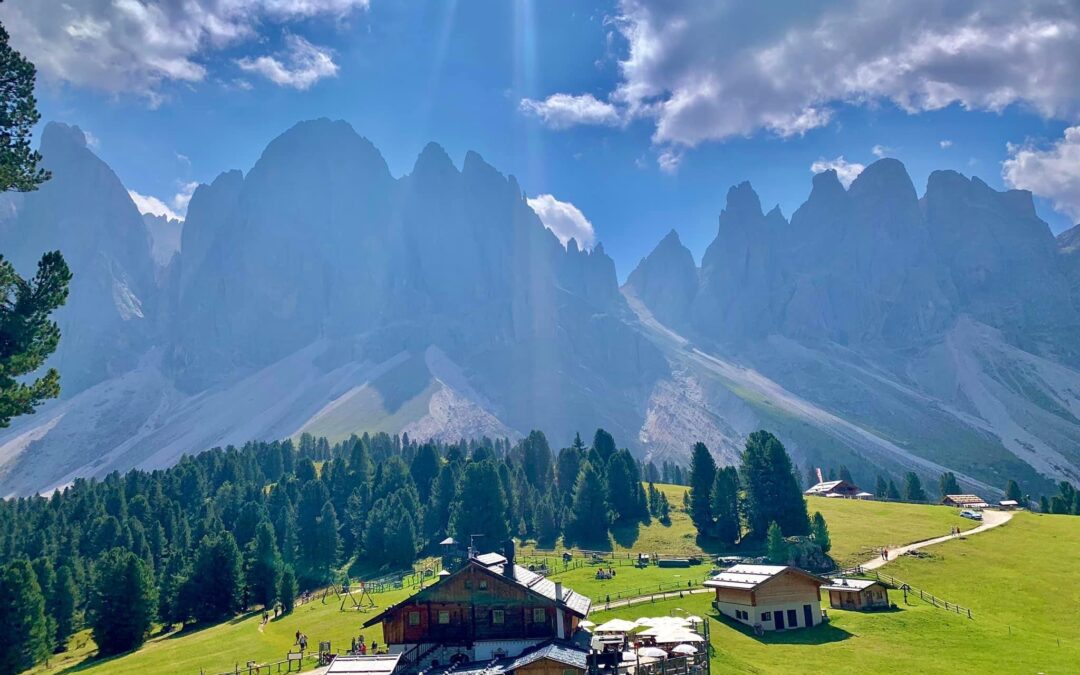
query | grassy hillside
(1016,578)
(858,528)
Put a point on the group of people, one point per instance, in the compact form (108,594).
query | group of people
(360,647)
(301,640)
(608,573)
(885,554)
(955,531)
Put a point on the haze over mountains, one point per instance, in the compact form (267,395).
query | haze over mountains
(317,292)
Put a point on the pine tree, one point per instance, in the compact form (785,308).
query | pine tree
(425,468)
(776,545)
(702,477)
(819,530)
(845,474)
(1044,504)
(725,505)
(913,490)
(263,566)
(480,506)
(215,587)
(622,487)
(892,492)
(66,603)
(545,525)
(568,466)
(328,542)
(288,589)
(536,459)
(881,490)
(589,514)
(947,485)
(124,602)
(24,633)
(1012,491)
(771,492)
(603,448)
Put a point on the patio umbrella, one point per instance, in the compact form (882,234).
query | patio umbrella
(587,624)
(616,626)
(653,652)
(693,618)
(685,649)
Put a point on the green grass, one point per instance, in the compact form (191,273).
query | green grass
(219,648)
(1020,580)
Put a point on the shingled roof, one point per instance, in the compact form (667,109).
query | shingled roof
(750,577)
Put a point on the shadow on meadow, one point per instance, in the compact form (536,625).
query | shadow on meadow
(821,634)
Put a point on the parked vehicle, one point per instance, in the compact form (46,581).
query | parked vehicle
(973,515)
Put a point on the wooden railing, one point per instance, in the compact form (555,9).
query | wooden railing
(908,588)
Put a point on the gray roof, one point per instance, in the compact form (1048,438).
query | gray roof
(560,651)
(830,486)
(850,584)
(489,559)
(749,577)
(538,583)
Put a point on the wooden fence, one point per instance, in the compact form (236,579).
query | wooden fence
(908,588)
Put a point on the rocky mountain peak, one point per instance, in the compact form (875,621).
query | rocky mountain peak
(742,203)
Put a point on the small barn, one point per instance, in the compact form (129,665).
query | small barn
(837,488)
(965,501)
(857,594)
(775,597)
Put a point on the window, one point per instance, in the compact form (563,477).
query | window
(497,616)
(414,618)
(741,615)
(539,615)
(483,585)
(766,616)
(444,616)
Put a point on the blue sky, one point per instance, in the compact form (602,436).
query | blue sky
(639,113)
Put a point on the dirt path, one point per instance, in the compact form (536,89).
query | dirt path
(636,600)
(991,519)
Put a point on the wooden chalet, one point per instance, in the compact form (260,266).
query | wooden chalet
(857,594)
(774,597)
(965,501)
(838,488)
(488,608)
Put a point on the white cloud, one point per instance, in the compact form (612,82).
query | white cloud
(564,219)
(706,71)
(1052,173)
(560,111)
(149,204)
(879,150)
(846,171)
(301,65)
(122,46)
(669,160)
(92,141)
(181,199)
(945,144)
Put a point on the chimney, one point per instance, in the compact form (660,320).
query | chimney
(558,591)
(508,553)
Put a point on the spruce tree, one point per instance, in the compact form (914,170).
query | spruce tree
(913,490)
(480,506)
(263,566)
(545,525)
(776,546)
(725,505)
(589,514)
(892,492)
(819,530)
(881,489)
(771,492)
(603,448)
(288,589)
(845,474)
(328,542)
(124,602)
(1012,491)
(425,468)
(568,466)
(947,485)
(24,633)
(66,603)
(215,586)
(536,459)
(702,477)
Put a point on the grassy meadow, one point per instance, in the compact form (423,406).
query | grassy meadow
(1017,579)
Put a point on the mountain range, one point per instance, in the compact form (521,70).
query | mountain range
(319,293)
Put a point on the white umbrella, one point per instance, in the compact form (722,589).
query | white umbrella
(676,636)
(654,652)
(695,619)
(616,626)
(587,624)
(684,649)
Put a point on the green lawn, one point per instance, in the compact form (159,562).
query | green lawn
(219,648)
(1018,579)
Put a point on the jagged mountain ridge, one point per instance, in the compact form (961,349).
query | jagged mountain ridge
(317,292)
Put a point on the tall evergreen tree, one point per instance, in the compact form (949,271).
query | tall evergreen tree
(845,474)
(568,467)
(819,530)
(424,469)
(288,589)
(892,492)
(589,513)
(771,492)
(480,506)
(947,485)
(327,541)
(536,459)
(702,477)
(1012,491)
(603,448)
(24,632)
(215,587)
(263,566)
(777,549)
(124,602)
(725,505)
(66,603)
(881,488)
(913,489)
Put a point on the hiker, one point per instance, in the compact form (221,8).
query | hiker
(297,637)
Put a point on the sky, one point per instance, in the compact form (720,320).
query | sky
(621,119)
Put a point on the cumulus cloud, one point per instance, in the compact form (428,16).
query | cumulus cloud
(1051,172)
(879,150)
(710,71)
(299,66)
(846,171)
(152,205)
(121,46)
(564,219)
(560,111)
(181,199)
